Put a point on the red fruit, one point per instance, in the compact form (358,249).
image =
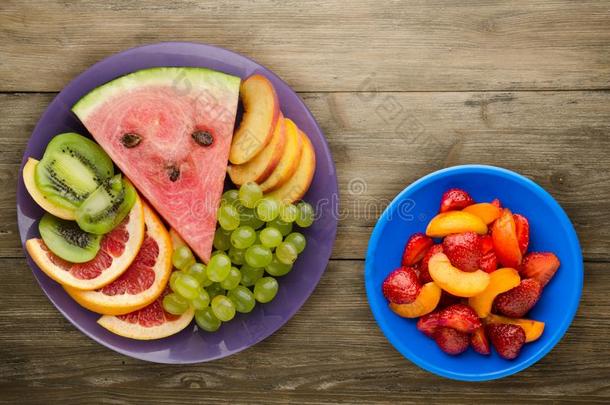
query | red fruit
(487,244)
(479,341)
(518,301)
(508,339)
(506,246)
(460,317)
(497,203)
(489,262)
(451,341)
(401,286)
(424,273)
(455,199)
(463,250)
(540,265)
(428,324)
(415,249)
(448,300)
(522,228)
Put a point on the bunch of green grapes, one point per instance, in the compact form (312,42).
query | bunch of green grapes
(254,243)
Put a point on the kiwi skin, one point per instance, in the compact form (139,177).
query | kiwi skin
(67,240)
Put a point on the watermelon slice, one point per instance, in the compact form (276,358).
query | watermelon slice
(169,130)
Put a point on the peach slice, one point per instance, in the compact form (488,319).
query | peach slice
(500,281)
(426,302)
(486,211)
(262,165)
(296,187)
(454,280)
(533,329)
(261,113)
(455,222)
(506,244)
(289,161)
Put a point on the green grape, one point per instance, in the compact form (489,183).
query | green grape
(223,308)
(175,304)
(249,194)
(173,278)
(306,215)
(230,197)
(270,237)
(206,320)
(232,279)
(284,227)
(298,240)
(243,237)
(199,271)
(267,209)
(277,268)
(228,217)
(202,299)
(237,255)
(286,253)
(265,289)
(243,299)
(214,290)
(288,212)
(258,256)
(187,286)
(248,217)
(219,267)
(182,258)
(222,239)
(250,274)
(217,252)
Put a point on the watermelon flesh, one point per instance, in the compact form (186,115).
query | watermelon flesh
(169,130)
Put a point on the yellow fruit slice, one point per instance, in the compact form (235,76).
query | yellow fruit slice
(289,162)
(29,171)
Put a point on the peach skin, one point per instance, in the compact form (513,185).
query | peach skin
(500,281)
(455,222)
(454,280)
(426,302)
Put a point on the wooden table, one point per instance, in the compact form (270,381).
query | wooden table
(400,89)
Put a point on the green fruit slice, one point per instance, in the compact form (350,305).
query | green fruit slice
(67,240)
(72,168)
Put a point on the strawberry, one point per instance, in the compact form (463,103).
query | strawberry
(479,341)
(428,324)
(487,244)
(488,262)
(460,317)
(401,286)
(497,203)
(448,300)
(463,250)
(424,274)
(455,199)
(540,265)
(518,301)
(451,341)
(522,227)
(508,339)
(416,248)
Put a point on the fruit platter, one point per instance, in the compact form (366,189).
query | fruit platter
(170,202)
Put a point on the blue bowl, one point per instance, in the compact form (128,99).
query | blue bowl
(550,230)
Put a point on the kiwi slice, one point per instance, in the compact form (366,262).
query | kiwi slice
(72,168)
(107,206)
(67,240)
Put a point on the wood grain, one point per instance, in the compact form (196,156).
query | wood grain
(323,45)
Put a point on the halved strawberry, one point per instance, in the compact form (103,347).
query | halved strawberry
(506,245)
(522,228)
(487,244)
(424,273)
(428,324)
(460,317)
(463,250)
(518,301)
(479,341)
(416,248)
(497,203)
(401,286)
(448,300)
(455,199)
(451,341)
(508,339)
(488,262)
(540,265)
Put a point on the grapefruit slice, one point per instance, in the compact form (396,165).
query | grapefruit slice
(118,249)
(150,322)
(169,130)
(142,282)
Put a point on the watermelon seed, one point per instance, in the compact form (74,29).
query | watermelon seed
(173,172)
(203,138)
(131,140)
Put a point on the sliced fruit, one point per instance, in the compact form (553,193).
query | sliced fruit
(67,240)
(117,251)
(463,250)
(150,322)
(455,199)
(424,271)
(506,245)
(296,187)
(451,341)
(455,281)
(29,172)
(479,341)
(401,286)
(289,161)
(522,229)
(428,324)
(507,339)
(540,265)
(500,281)
(261,113)
(176,239)
(415,249)
(262,165)
(488,262)
(486,211)
(519,300)
(459,317)
(142,282)
(426,301)
(455,222)
(533,329)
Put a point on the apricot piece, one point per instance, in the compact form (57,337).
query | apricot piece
(533,329)
(506,244)
(454,280)
(455,222)
(500,281)
(486,211)
(291,157)
(426,302)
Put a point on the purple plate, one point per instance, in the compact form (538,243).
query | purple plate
(192,345)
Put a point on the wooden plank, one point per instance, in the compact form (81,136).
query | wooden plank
(331,351)
(559,139)
(324,45)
